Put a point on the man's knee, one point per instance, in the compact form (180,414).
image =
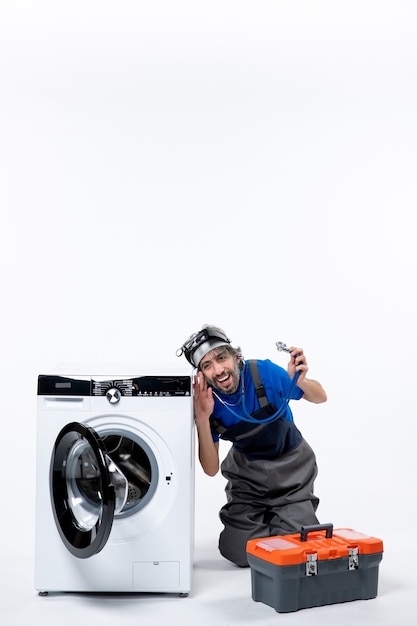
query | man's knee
(233,550)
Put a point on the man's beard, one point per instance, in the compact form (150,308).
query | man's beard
(235,374)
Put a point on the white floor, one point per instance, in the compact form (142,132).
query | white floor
(221,595)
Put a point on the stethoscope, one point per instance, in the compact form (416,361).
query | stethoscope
(247,417)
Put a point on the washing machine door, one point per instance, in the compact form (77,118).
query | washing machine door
(83,494)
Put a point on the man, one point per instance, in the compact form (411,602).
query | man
(270,468)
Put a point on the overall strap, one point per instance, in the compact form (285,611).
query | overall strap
(259,388)
(216,426)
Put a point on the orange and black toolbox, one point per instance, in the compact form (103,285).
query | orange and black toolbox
(318,566)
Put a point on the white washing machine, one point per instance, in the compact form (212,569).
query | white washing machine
(114,481)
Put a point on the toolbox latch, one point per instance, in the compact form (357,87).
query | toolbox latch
(353,558)
(311,564)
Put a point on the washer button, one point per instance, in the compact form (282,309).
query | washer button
(113,395)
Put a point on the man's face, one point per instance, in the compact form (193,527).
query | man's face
(220,369)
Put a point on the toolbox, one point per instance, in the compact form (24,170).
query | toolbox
(317,566)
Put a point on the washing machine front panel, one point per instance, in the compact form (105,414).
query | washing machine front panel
(150,543)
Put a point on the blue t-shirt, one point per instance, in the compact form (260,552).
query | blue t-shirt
(276,437)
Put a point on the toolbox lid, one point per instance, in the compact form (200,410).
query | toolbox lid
(293,549)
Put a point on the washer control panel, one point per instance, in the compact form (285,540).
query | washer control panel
(114,389)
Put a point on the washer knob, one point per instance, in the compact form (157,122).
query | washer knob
(113,395)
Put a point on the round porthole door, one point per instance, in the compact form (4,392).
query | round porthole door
(87,489)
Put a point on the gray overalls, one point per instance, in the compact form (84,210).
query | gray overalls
(265,496)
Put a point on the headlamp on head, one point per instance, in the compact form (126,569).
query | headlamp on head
(201,343)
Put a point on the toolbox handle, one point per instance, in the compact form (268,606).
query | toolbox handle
(314,527)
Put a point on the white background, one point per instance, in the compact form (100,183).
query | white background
(248,164)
